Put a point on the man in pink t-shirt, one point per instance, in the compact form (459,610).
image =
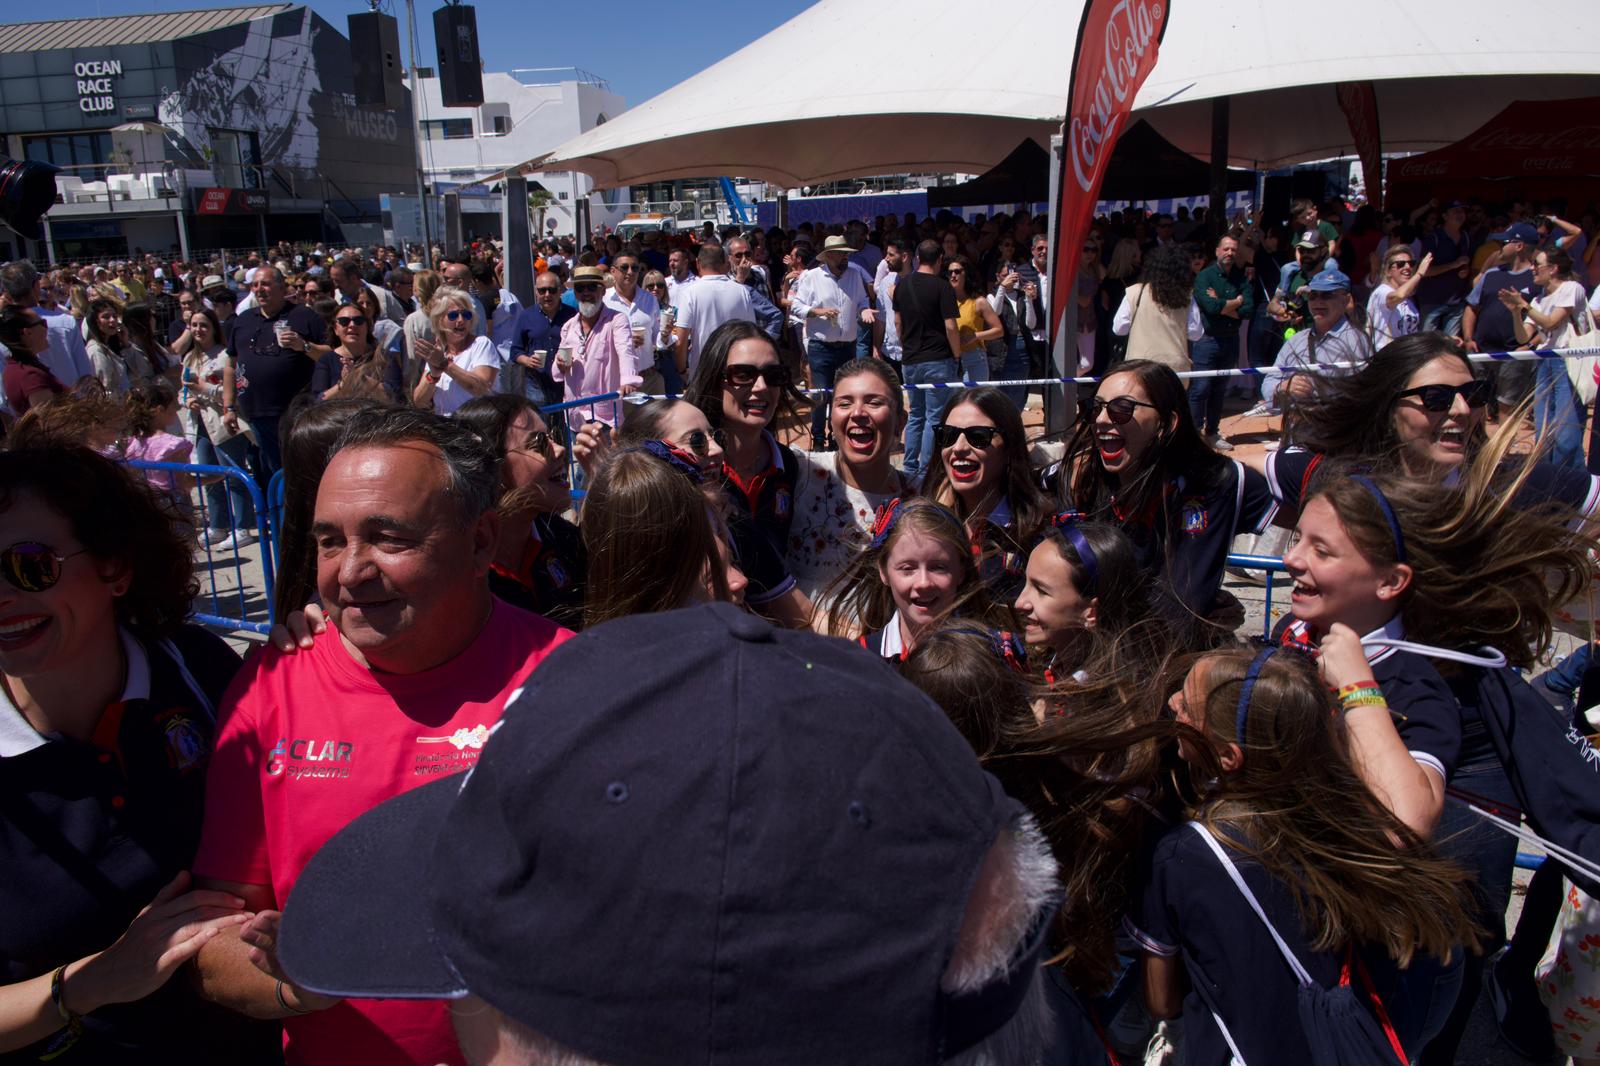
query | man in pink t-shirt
(403,687)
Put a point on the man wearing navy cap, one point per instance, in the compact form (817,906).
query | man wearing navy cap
(760,847)
(1487,324)
(1329,336)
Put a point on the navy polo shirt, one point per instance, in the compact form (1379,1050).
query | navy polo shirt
(551,579)
(90,831)
(768,497)
(760,559)
(274,375)
(537,332)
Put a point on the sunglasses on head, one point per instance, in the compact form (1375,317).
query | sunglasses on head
(458,316)
(33,567)
(1440,398)
(699,441)
(742,374)
(977,436)
(1119,410)
(351,320)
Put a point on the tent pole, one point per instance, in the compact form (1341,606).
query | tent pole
(1060,401)
(1217,213)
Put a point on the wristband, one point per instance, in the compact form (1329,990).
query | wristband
(70,1019)
(1363,697)
(1352,687)
(434,376)
(277,990)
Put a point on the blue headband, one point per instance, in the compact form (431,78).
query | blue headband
(1249,688)
(674,457)
(1388,515)
(888,515)
(1066,523)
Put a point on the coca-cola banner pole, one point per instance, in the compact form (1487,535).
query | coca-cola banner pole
(1116,50)
(1360,106)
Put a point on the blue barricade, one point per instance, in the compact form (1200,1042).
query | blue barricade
(227,609)
(1271,565)
(575,474)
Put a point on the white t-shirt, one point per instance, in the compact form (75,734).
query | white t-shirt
(1388,323)
(448,394)
(707,304)
(1568,294)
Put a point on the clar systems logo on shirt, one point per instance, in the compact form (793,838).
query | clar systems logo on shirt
(303,758)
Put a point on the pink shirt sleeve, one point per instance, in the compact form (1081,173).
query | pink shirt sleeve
(233,837)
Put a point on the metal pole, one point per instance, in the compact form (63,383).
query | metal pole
(183,235)
(416,135)
(49,243)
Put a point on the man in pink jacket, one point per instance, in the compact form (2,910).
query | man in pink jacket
(596,354)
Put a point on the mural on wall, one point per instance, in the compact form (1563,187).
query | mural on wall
(235,92)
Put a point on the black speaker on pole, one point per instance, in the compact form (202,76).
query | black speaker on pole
(27,190)
(375,63)
(455,31)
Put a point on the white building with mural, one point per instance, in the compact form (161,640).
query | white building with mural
(525,114)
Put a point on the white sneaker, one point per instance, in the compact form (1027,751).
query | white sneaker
(1220,443)
(241,538)
(214,537)
(1260,410)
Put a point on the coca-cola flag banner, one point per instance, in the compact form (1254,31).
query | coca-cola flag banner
(1116,51)
(1360,106)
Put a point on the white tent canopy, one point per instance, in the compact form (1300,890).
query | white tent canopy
(848,89)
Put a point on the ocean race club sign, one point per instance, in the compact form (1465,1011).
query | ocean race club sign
(96,96)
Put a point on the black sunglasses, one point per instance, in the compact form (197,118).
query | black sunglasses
(1120,410)
(352,320)
(977,436)
(538,442)
(33,567)
(625,268)
(699,442)
(546,291)
(744,375)
(1440,398)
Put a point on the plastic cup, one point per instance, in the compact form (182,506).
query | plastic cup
(540,357)
(564,357)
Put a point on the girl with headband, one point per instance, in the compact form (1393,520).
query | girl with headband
(1139,463)
(1082,585)
(917,571)
(1454,588)
(1292,880)
(984,477)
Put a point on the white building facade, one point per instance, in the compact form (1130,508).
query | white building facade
(525,114)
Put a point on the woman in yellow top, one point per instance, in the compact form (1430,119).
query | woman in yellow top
(976,319)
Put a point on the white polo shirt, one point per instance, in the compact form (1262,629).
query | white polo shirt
(644,313)
(711,301)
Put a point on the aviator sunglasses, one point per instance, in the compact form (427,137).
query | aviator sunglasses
(33,567)
(1440,398)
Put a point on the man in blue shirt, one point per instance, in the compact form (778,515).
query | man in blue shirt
(539,331)
(1440,294)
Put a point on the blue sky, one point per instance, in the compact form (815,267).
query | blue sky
(640,48)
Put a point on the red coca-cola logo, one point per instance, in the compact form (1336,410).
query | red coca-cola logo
(1126,51)
(1510,138)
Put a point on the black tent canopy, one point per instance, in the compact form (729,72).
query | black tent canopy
(1144,166)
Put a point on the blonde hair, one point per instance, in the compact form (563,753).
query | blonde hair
(424,284)
(448,297)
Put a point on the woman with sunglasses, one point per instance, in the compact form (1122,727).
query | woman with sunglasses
(1138,462)
(358,367)
(461,366)
(984,477)
(27,381)
(1391,313)
(741,385)
(976,320)
(1418,410)
(837,493)
(540,563)
(107,720)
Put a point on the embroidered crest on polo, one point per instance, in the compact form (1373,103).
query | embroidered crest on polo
(186,747)
(1195,516)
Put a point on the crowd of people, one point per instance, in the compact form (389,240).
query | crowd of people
(848,726)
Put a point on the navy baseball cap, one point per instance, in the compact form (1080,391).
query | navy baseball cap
(692,837)
(1329,281)
(1517,231)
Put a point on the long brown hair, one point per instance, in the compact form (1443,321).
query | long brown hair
(1489,566)
(1021,489)
(859,601)
(1296,805)
(650,536)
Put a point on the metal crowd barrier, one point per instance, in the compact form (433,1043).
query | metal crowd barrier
(222,608)
(614,400)
(1270,565)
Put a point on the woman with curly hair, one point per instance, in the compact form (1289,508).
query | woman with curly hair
(1158,315)
(106,726)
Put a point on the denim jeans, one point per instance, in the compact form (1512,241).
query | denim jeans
(926,409)
(1206,394)
(975,365)
(825,358)
(863,341)
(1443,317)
(1016,369)
(1557,414)
(228,504)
